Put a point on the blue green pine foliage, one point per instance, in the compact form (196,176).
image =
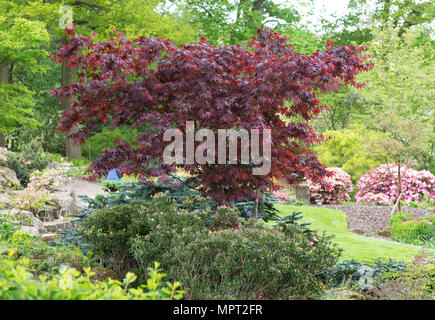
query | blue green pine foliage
(182,193)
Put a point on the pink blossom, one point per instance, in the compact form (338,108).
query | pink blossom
(383,180)
(340,184)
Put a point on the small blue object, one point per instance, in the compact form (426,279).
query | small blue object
(113,175)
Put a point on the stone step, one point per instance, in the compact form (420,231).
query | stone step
(57,225)
(47,237)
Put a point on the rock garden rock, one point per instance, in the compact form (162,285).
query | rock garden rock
(384,233)
(57,225)
(6,197)
(26,219)
(30,230)
(65,201)
(8,178)
(49,237)
(48,213)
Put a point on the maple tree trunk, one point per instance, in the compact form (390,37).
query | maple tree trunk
(73,151)
(4,78)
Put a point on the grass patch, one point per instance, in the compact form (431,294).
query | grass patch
(358,247)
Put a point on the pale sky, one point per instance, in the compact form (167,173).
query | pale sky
(322,8)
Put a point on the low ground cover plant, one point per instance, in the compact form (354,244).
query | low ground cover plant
(353,273)
(30,269)
(391,280)
(417,282)
(17,282)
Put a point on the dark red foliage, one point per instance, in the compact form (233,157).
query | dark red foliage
(152,81)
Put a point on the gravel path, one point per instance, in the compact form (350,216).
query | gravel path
(369,220)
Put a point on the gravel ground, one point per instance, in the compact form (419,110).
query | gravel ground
(369,220)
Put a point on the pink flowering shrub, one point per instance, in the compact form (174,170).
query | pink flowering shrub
(281,196)
(340,185)
(380,185)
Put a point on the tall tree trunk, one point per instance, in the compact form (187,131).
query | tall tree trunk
(4,78)
(73,151)
(399,191)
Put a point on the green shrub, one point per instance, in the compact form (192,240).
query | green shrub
(111,232)
(8,226)
(351,272)
(253,262)
(43,258)
(417,231)
(233,258)
(31,269)
(347,151)
(184,195)
(31,158)
(105,139)
(18,283)
(400,217)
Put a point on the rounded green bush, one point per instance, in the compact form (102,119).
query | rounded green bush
(417,231)
(251,262)
(347,151)
(400,217)
(31,158)
(105,139)
(215,256)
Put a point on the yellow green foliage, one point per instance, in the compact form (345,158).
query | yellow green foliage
(348,150)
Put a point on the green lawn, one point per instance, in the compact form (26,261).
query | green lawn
(355,246)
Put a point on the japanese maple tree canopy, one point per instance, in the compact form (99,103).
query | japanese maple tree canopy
(154,83)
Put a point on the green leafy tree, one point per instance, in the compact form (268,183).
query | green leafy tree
(21,45)
(15,107)
(400,93)
(234,21)
(348,108)
(363,15)
(134,17)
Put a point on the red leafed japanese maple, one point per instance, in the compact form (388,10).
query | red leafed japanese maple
(154,84)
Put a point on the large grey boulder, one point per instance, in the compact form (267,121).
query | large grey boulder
(65,201)
(57,225)
(8,178)
(25,219)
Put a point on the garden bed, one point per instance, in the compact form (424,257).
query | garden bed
(370,220)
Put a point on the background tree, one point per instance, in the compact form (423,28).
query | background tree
(364,15)
(402,142)
(235,21)
(21,46)
(101,16)
(401,89)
